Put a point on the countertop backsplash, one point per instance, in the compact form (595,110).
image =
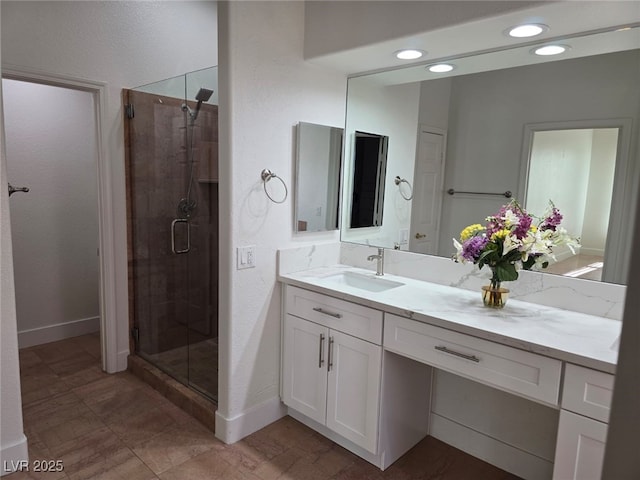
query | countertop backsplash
(584,296)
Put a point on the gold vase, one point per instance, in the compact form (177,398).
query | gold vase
(494,296)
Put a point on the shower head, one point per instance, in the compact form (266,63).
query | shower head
(203,95)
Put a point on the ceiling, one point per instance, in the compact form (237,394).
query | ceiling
(566,21)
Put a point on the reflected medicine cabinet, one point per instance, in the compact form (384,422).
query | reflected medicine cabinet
(317,188)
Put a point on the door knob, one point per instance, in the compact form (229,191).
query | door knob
(420,235)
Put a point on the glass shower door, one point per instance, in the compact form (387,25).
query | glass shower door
(173,217)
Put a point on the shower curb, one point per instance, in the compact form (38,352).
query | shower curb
(183,397)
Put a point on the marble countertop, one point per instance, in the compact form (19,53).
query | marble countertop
(578,338)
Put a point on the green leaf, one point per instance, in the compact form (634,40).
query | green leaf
(506,272)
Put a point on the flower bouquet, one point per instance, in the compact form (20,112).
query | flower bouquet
(511,240)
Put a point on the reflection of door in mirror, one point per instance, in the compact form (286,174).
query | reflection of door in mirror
(370,165)
(317,187)
(575,169)
(425,207)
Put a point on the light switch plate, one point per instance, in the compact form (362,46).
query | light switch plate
(246,257)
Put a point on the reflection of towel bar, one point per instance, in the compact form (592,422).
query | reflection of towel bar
(398,181)
(506,194)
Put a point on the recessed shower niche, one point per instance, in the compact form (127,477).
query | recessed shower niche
(171,135)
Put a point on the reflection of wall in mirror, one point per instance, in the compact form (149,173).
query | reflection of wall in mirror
(575,169)
(489,110)
(390,111)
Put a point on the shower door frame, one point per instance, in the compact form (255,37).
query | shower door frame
(112,361)
(141,320)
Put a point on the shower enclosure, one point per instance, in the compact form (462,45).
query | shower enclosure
(171,136)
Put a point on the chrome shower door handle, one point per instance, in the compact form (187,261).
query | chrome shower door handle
(173,235)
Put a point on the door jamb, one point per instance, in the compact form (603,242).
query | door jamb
(108,327)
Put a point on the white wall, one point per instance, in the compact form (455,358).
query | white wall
(560,170)
(125,44)
(598,204)
(390,111)
(52,149)
(435,97)
(266,89)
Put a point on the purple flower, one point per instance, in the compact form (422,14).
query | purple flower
(472,248)
(552,221)
(523,226)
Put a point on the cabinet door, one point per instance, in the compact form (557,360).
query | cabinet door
(580,448)
(304,369)
(354,389)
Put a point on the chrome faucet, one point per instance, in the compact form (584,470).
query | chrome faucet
(379,261)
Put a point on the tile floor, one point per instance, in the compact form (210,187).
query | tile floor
(116,427)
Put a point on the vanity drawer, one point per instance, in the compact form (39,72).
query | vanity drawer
(350,318)
(587,392)
(516,371)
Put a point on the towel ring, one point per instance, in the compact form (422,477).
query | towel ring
(267,175)
(398,181)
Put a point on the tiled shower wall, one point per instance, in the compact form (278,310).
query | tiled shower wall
(173,297)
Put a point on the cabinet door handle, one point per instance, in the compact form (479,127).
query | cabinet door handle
(320,359)
(330,354)
(473,358)
(324,312)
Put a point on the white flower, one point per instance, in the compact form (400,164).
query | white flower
(511,242)
(458,255)
(510,218)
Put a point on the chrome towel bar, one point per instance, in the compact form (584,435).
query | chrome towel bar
(506,194)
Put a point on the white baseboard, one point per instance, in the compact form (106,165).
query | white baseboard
(592,251)
(122,361)
(59,331)
(495,452)
(14,457)
(230,430)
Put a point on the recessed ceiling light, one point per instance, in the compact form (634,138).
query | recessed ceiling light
(409,54)
(527,30)
(550,50)
(441,68)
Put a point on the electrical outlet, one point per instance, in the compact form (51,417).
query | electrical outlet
(246,257)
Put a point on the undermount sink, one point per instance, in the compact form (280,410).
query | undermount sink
(363,281)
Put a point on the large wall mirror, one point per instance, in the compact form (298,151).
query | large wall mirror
(565,129)
(317,184)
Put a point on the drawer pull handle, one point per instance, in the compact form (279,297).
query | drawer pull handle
(331,314)
(330,354)
(320,359)
(473,358)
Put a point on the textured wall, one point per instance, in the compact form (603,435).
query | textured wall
(266,88)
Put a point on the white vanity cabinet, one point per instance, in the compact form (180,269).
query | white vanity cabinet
(330,375)
(582,429)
